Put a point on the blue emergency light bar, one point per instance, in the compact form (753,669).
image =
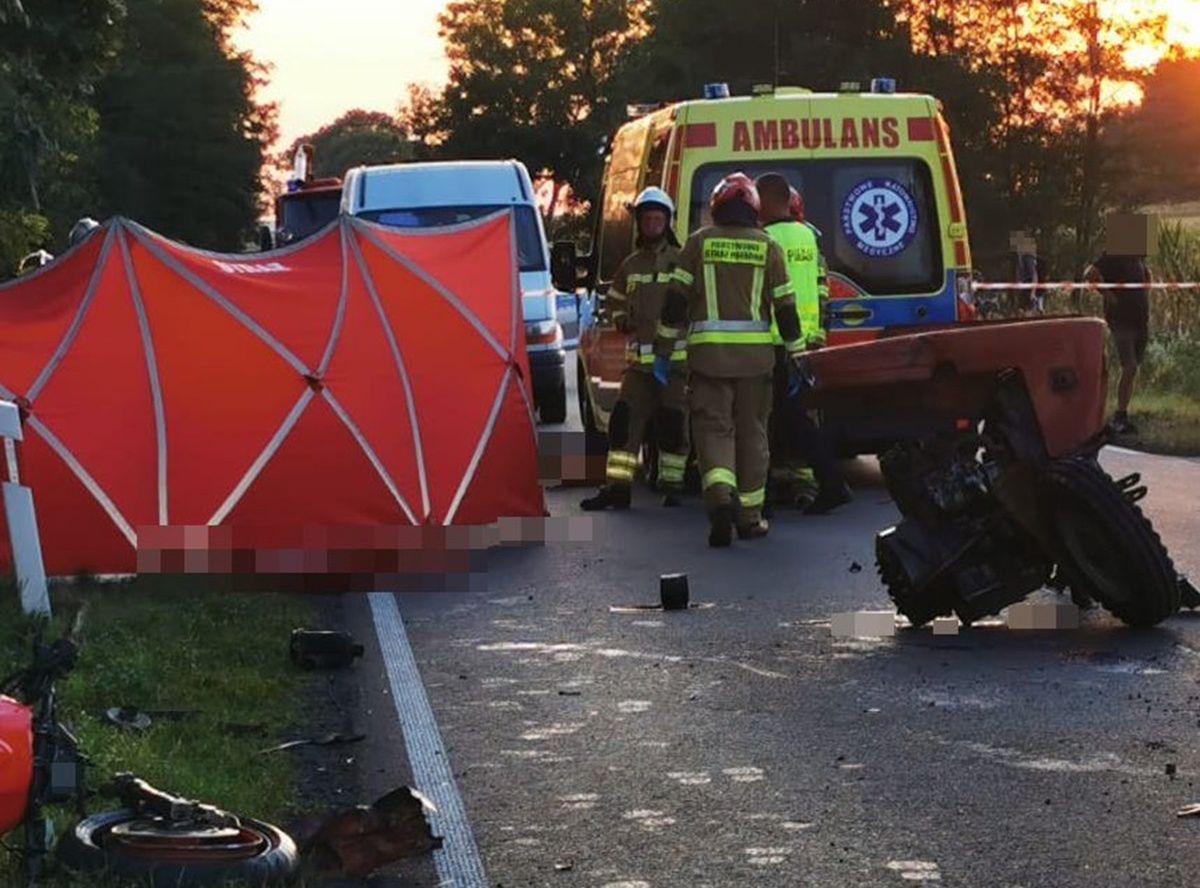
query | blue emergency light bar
(884,85)
(716,90)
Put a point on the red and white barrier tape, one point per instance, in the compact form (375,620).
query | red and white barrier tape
(1078,285)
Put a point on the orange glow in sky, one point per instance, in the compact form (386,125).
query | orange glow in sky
(329,56)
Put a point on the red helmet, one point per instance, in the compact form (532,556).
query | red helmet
(796,205)
(737,186)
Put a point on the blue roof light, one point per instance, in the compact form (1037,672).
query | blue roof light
(716,90)
(885,85)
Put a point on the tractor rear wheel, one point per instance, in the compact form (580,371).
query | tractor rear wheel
(1105,547)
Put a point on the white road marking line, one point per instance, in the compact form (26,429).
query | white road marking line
(457,861)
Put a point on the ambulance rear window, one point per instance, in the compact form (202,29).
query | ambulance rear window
(877,217)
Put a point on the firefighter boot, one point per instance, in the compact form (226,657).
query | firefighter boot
(755,530)
(720,526)
(610,496)
(829,499)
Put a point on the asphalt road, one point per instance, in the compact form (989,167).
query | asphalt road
(740,744)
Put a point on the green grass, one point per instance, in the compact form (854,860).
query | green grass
(145,645)
(1166,422)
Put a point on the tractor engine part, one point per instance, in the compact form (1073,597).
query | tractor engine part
(956,549)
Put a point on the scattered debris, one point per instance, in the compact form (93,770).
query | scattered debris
(358,841)
(327,740)
(855,567)
(658,608)
(863,624)
(564,867)
(1189,811)
(322,649)
(1170,770)
(129,718)
(673,591)
(565,693)
(945,626)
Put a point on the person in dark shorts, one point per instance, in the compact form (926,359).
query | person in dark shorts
(1127,311)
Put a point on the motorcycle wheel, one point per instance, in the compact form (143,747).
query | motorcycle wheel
(126,846)
(1106,548)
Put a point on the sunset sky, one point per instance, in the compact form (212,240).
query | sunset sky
(329,56)
(332,55)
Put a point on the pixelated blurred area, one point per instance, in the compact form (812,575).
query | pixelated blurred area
(863,624)
(1042,615)
(1131,234)
(348,559)
(570,458)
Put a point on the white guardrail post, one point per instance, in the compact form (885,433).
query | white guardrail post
(22,522)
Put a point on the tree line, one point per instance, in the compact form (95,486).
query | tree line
(1042,95)
(141,108)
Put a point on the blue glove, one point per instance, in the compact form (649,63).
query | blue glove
(800,376)
(793,389)
(662,370)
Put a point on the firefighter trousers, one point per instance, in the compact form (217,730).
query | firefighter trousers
(641,401)
(729,425)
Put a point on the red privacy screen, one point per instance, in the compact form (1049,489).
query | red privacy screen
(366,378)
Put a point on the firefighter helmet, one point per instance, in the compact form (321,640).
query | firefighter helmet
(796,205)
(737,186)
(82,229)
(655,198)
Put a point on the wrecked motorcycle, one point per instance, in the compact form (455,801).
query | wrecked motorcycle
(154,838)
(1001,493)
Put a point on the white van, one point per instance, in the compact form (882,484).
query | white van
(425,195)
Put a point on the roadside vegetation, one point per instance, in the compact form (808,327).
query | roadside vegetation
(211,669)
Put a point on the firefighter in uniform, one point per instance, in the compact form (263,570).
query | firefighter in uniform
(730,282)
(802,461)
(635,302)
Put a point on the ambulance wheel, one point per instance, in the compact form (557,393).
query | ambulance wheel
(552,405)
(128,847)
(1106,548)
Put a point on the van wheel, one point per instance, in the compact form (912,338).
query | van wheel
(552,406)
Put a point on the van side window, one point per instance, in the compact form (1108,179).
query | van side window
(616,240)
(656,163)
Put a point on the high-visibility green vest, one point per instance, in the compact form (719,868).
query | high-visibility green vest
(799,243)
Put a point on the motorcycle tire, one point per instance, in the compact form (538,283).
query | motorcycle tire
(1105,547)
(87,848)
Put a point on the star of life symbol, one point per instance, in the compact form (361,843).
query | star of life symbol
(880,217)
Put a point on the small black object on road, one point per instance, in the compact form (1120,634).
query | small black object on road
(322,649)
(673,591)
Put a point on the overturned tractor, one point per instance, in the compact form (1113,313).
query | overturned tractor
(1001,493)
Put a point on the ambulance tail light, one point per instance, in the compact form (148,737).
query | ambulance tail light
(966,300)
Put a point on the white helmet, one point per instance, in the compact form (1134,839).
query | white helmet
(82,229)
(34,260)
(655,197)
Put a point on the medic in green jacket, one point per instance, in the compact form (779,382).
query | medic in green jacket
(800,241)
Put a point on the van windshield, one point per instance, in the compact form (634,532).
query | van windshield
(531,252)
(877,217)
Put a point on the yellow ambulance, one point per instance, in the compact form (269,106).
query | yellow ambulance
(878,178)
